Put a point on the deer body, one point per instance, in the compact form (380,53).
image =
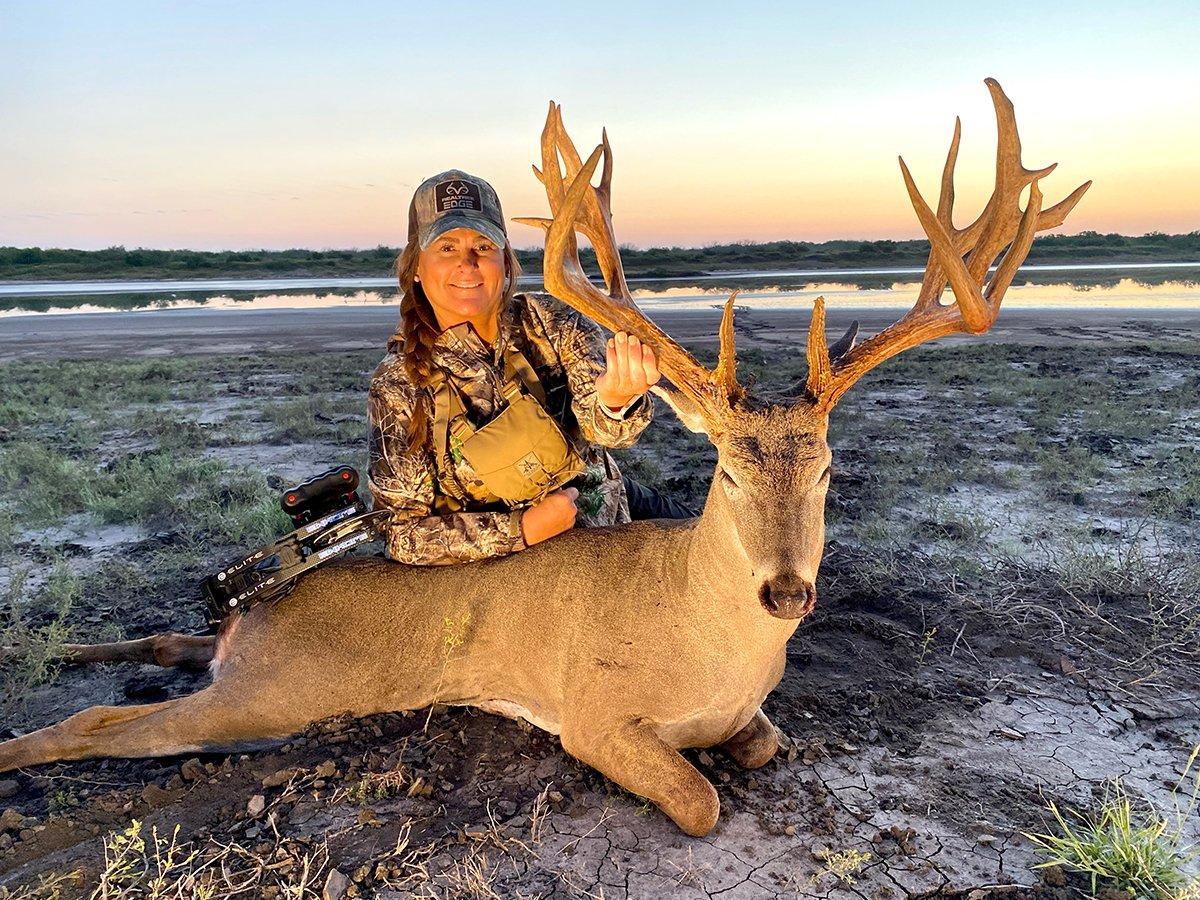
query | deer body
(537,637)
(534,648)
(631,642)
(524,636)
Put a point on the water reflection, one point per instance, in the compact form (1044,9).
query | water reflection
(1074,280)
(85,303)
(1099,289)
(1119,293)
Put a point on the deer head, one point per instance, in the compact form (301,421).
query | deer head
(773,459)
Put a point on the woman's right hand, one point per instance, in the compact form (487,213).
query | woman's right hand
(552,516)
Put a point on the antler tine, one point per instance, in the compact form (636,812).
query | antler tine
(725,375)
(945,212)
(1057,214)
(551,175)
(1001,215)
(595,218)
(610,260)
(820,370)
(1018,251)
(1001,224)
(565,279)
(604,191)
(934,281)
(971,304)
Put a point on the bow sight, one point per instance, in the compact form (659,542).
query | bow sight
(331,519)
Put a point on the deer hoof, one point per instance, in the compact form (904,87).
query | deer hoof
(755,744)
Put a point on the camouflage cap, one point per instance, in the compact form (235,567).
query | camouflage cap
(452,200)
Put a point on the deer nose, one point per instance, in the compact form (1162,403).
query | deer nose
(787,596)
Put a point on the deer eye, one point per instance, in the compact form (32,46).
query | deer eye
(826,475)
(732,488)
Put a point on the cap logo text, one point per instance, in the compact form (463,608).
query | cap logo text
(457,194)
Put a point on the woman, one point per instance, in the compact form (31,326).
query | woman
(489,401)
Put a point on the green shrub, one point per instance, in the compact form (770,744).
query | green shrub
(46,484)
(1127,846)
(33,632)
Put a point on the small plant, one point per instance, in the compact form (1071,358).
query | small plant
(453,634)
(8,530)
(55,886)
(47,484)
(62,800)
(590,500)
(153,866)
(538,813)
(472,877)
(926,641)
(1128,846)
(304,419)
(843,865)
(691,873)
(133,868)
(376,786)
(33,632)
(405,865)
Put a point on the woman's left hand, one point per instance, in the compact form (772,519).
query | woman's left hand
(631,371)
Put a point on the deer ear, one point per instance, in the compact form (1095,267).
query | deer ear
(845,343)
(684,408)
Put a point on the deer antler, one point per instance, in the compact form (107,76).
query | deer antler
(575,205)
(1001,224)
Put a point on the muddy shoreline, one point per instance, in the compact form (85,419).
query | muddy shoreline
(163,333)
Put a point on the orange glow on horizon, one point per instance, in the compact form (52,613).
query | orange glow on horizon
(717,186)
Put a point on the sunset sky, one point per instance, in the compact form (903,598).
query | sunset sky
(236,125)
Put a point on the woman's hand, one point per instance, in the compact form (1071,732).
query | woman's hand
(552,516)
(631,371)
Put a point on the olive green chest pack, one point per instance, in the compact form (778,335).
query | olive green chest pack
(521,455)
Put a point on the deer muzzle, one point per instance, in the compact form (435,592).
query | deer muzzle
(788,596)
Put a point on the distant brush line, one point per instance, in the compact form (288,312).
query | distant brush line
(69,288)
(118,262)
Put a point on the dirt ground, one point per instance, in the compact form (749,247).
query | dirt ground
(1008,617)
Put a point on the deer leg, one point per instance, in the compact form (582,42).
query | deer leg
(637,759)
(166,650)
(208,720)
(755,744)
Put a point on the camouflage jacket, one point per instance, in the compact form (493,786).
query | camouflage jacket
(566,351)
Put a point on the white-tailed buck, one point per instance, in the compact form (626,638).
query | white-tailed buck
(630,642)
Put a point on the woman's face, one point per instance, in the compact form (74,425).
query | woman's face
(462,274)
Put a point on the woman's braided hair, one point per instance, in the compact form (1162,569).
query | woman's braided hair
(419,329)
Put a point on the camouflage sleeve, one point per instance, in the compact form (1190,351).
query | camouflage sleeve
(581,348)
(403,482)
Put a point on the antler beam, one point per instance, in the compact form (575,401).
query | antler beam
(1001,224)
(576,205)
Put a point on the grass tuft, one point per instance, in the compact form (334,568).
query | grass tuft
(33,632)
(1124,845)
(47,484)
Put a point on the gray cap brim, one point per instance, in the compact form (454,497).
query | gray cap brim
(479,224)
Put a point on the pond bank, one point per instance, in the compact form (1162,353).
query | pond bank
(96,335)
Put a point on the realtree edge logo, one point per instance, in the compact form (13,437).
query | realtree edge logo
(457,194)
